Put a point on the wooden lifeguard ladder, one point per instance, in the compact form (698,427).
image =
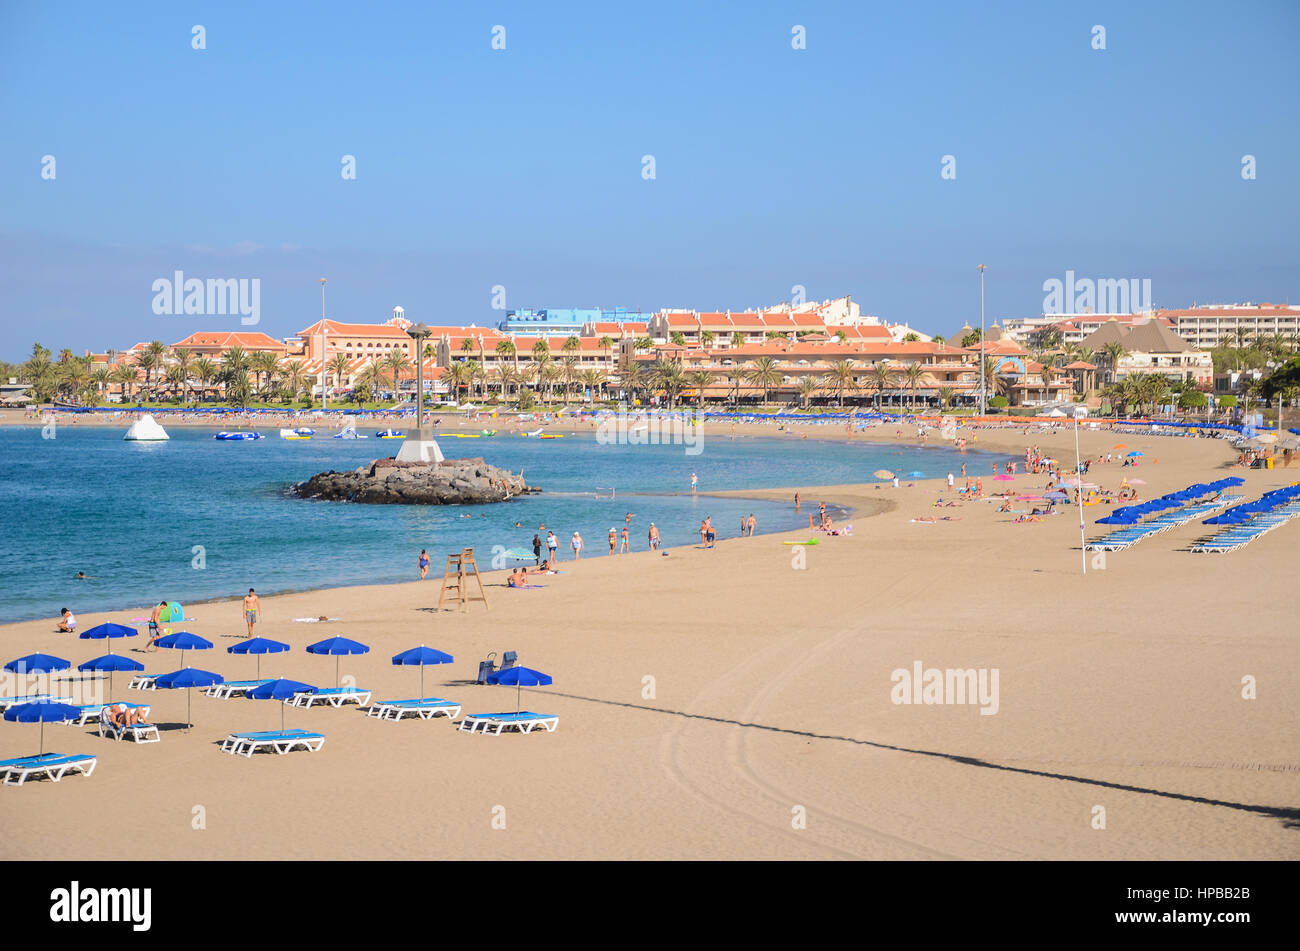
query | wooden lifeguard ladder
(465,568)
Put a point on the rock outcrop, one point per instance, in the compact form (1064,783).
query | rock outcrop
(387,481)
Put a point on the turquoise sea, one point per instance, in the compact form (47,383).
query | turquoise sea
(197,518)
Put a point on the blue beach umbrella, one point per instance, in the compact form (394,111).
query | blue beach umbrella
(40,712)
(108,629)
(520,677)
(111,662)
(188,678)
(421,656)
(37,664)
(280,689)
(337,646)
(258,646)
(184,641)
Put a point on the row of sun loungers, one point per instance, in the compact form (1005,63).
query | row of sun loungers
(1129,536)
(52,765)
(1238,536)
(494,723)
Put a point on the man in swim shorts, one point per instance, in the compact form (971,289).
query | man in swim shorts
(252,609)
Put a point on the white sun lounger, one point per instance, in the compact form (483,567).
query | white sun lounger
(91,711)
(52,765)
(334,696)
(281,741)
(494,723)
(228,689)
(143,682)
(426,708)
(140,732)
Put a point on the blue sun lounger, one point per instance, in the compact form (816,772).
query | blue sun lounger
(227,689)
(494,723)
(140,732)
(334,696)
(52,765)
(426,708)
(143,682)
(281,741)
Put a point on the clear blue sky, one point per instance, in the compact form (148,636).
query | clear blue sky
(775,167)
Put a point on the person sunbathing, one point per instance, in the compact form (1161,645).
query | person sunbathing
(519,579)
(122,716)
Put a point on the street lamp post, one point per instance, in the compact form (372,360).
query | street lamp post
(324,343)
(419,333)
(983,402)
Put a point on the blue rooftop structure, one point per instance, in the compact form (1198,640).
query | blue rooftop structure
(567,320)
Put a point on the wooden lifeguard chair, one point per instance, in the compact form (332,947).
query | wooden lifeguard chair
(461,569)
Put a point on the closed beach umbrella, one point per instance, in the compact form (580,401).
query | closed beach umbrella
(188,678)
(40,712)
(338,646)
(280,689)
(520,677)
(111,662)
(258,646)
(422,656)
(184,641)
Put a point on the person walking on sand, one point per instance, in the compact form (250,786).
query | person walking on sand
(622,550)
(950,481)
(613,540)
(751,523)
(709,534)
(576,543)
(653,537)
(537,549)
(552,546)
(252,610)
(424,564)
(154,632)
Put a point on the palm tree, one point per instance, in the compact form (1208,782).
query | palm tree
(473,370)
(397,363)
(842,378)
(126,375)
(157,352)
(467,345)
(183,357)
(509,377)
(147,361)
(913,374)
(295,376)
(882,378)
(606,343)
(764,373)
(699,379)
(707,338)
(262,363)
(541,362)
(946,395)
(568,371)
(807,388)
(737,339)
(667,376)
(205,371)
(371,376)
(176,379)
(339,364)
(594,380)
(644,343)
(506,348)
(1114,352)
(548,373)
(101,376)
(678,338)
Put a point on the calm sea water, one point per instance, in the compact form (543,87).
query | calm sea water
(131,514)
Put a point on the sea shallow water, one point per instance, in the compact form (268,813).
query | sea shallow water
(196,518)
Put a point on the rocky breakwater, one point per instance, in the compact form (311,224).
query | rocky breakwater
(387,481)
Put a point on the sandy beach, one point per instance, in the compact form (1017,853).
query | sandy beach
(736,702)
